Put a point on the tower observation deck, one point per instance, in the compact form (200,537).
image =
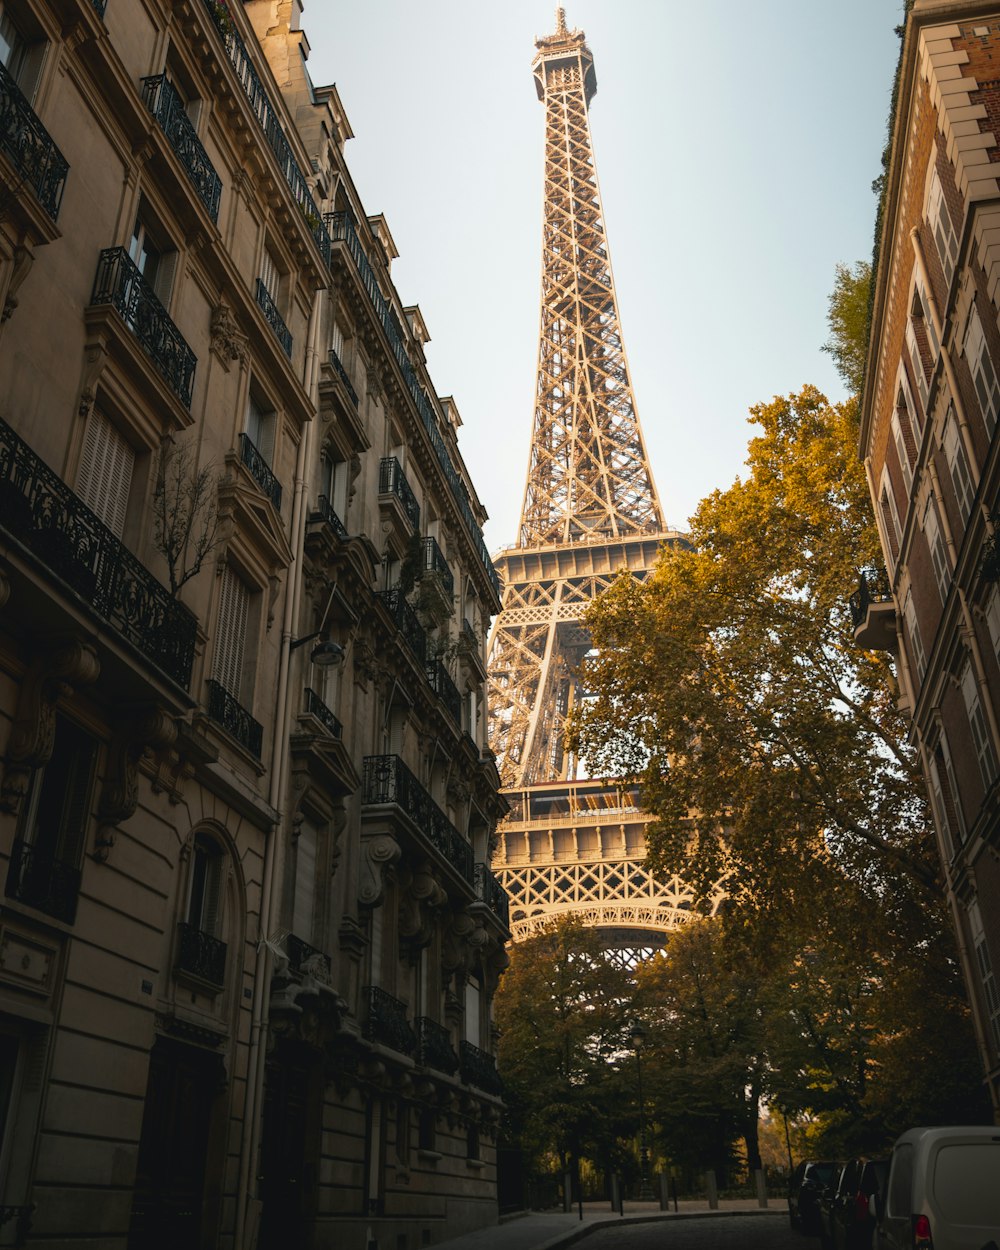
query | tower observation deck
(572,845)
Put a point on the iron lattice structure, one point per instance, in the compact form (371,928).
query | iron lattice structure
(590,510)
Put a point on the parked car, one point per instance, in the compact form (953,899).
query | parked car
(846,1219)
(805,1186)
(943,1191)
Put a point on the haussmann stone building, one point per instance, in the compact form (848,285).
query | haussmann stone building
(248,935)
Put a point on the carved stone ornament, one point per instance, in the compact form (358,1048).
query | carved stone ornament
(379,855)
(365,663)
(228,342)
(152,729)
(71,664)
(420,898)
(456,957)
(23,259)
(94,357)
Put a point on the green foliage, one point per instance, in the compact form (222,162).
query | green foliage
(848,321)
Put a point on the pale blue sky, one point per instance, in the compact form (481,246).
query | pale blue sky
(736,144)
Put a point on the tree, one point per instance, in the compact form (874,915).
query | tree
(848,321)
(185,512)
(563,1010)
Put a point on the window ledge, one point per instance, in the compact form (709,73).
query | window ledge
(476,1164)
(429,1156)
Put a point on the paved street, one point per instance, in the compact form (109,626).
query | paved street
(767,1231)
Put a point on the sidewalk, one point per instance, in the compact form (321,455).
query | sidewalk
(548,1230)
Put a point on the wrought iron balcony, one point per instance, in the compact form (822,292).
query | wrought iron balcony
(386,1022)
(29,146)
(392,481)
(36,877)
(100,6)
(342,229)
(316,706)
(386,779)
(406,622)
(273,317)
(120,284)
(341,373)
(200,955)
(444,688)
(469,638)
(434,562)
(260,470)
(39,510)
(324,512)
(479,1069)
(873,613)
(234,718)
(163,101)
(267,118)
(491,892)
(305,959)
(434,1048)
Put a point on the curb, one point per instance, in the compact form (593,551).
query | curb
(584,1230)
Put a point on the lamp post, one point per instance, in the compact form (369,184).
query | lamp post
(638,1036)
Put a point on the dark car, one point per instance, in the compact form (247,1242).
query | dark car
(805,1186)
(846,1222)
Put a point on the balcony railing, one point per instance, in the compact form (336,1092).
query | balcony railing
(166,105)
(434,562)
(469,637)
(201,955)
(267,118)
(41,512)
(324,512)
(36,877)
(392,481)
(342,228)
(866,595)
(234,718)
(304,958)
(386,1022)
(120,284)
(434,1048)
(260,470)
(491,892)
(341,373)
(29,146)
(387,779)
(100,6)
(444,688)
(479,1069)
(273,318)
(316,706)
(406,622)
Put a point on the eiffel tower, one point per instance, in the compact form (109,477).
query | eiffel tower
(573,845)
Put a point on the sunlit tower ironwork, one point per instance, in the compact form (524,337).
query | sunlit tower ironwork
(590,510)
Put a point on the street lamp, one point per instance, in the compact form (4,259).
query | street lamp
(638,1037)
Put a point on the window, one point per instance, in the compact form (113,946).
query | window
(205,895)
(337,340)
(984,376)
(44,866)
(944,796)
(924,322)
(984,963)
(269,275)
(260,425)
(303,898)
(20,52)
(936,547)
(231,633)
(944,232)
(104,475)
(993,619)
(9,1051)
(913,630)
(154,260)
(427,1129)
(917,362)
(985,752)
(902,452)
(889,517)
(403,1132)
(472,1142)
(958,465)
(472,1007)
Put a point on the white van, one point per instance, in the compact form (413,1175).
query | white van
(943,1191)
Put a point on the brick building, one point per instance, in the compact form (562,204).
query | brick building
(248,937)
(928,438)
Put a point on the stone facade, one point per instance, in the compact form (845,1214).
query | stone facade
(929,440)
(248,936)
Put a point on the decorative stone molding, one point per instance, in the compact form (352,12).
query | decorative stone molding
(379,854)
(420,899)
(23,260)
(227,341)
(54,676)
(94,356)
(152,729)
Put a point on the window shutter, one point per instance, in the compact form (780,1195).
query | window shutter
(337,341)
(985,964)
(269,274)
(913,630)
(977,723)
(902,451)
(949,786)
(104,476)
(260,429)
(958,465)
(942,229)
(230,637)
(935,544)
(163,280)
(984,376)
(993,619)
